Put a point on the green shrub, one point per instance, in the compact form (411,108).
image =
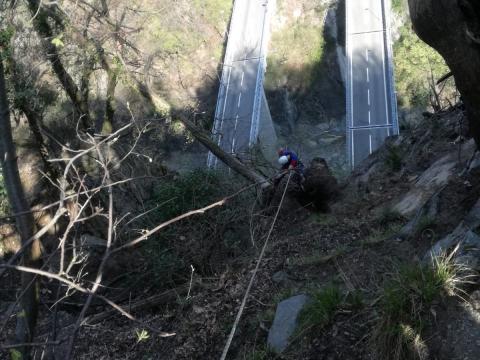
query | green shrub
(398,6)
(322,308)
(186,192)
(407,298)
(415,63)
(393,158)
(388,215)
(382,233)
(4,206)
(425,222)
(200,240)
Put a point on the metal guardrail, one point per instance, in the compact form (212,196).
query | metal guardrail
(212,159)
(391,66)
(348,87)
(262,68)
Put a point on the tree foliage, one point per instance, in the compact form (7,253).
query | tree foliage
(415,64)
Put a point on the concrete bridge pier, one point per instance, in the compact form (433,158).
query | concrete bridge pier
(267,136)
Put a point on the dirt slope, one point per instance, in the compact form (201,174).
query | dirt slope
(356,247)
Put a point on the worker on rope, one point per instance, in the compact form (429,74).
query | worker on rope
(289,160)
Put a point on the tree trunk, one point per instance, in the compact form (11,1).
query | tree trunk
(205,138)
(27,316)
(43,28)
(31,112)
(453,29)
(229,160)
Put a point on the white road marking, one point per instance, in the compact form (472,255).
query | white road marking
(366,54)
(369,117)
(370,138)
(368,96)
(241,82)
(368,76)
(236,122)
(239,99)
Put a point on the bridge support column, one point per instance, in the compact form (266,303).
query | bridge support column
(267,137)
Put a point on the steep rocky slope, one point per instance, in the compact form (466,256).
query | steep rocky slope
(358,248)
(417,190)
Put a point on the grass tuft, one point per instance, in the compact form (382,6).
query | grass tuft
(324,219)
(322,308)
(4,206)
(378,235)
(387,216)
(393,158)
(424,223)
(407,299)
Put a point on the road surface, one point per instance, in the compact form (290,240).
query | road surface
(371,103)
(238,105)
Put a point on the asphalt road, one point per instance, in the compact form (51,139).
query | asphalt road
(243,59)
(369,92)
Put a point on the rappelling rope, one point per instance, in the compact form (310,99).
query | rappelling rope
(244,301)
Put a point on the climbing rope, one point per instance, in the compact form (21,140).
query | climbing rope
(262,253)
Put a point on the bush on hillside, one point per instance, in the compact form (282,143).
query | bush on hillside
(203,240)
(4,206)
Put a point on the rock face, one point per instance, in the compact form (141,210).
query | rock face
(431,180)
(441,23)
(320,185)
(467,239)
(459,331)
(285,322)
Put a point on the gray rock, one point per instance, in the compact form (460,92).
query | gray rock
(472,220)
(464,235)
(280,277)
(462,335)
(430,181)
(434,178)
(430,210)
(285,322)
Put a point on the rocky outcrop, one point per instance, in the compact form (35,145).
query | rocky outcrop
(452,28)
(285,322)
(431,181)
(464,240)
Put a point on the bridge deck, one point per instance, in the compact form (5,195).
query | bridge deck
(371,104)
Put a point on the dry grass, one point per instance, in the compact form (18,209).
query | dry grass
(407,301)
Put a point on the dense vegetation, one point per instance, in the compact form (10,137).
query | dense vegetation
(3,197)
(417,68)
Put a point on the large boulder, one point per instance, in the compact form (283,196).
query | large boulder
(466,237)
(285,322)
(320,185)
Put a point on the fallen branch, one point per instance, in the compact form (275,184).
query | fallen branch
(85,291)
(444,77)
(155,300)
